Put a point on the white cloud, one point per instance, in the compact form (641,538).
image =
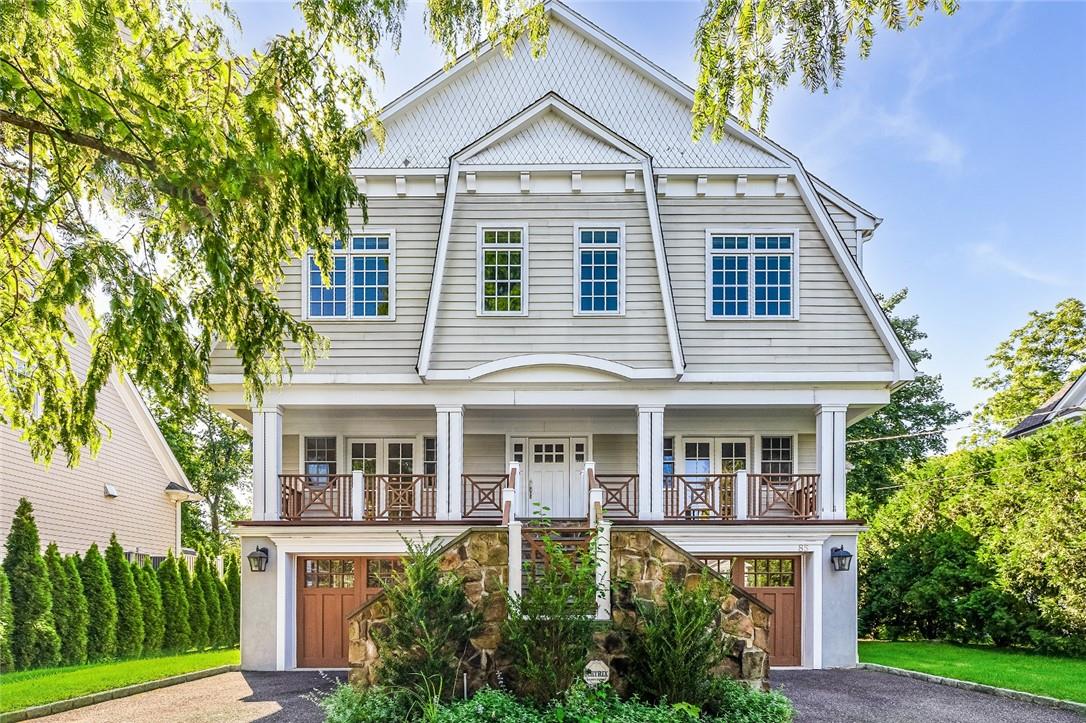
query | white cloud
(994,258)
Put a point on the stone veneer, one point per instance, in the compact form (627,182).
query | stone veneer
(641,561)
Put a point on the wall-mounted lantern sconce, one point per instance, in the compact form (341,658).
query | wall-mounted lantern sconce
(258,559)
(840,559)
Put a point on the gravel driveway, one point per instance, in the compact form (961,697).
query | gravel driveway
(226,698)
(863,696)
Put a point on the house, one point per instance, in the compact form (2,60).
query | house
(133,486)
(1066,404)
(558,295)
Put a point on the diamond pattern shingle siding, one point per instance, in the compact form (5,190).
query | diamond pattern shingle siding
(581,70)
(549,140)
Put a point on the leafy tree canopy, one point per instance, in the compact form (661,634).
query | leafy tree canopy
(1031,365)
(147,163)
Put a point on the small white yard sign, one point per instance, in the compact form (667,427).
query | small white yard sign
(596,672)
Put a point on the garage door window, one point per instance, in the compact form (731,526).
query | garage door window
(769,573)
(380,572)
(329,573)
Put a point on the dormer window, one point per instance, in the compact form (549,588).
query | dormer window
(503,270)
(362,280)
(600,286)
(750,276)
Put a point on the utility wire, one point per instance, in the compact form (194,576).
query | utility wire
(978,473)
(931,432)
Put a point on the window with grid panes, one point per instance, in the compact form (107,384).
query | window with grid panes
(750,276)
(364,457)
(380,572)
(770,572)
(429,455)
(401,457)
(501,271)
(361,283)
(320,455)
(599,271)
(669,462)
(777,455)
(518,452)
(549,453)
(331,573)
(733,457)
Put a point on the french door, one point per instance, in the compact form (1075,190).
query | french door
(555,486)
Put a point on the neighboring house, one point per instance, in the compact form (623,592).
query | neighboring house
(556,282)
(1066,404)
(133,486)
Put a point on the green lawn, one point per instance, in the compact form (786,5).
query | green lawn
(1018,670)
(48,685)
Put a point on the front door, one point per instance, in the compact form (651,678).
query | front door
(552,490)
(776,581)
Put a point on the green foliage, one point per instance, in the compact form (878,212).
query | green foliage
(101,606)
(347,704)
(548,630)
(581,704)
(490,706)
(199,621)
(232,578)
(728,701)
(7,621)
(228,633)
(205,578)
(69,610)
(129,608)
(676,646)
(73,642)
(34,640)
(175,607)
(984,545)
(918,406)
(428,626)
(154,621)
(1031,365)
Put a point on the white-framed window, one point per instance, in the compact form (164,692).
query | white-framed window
(502,270)
(599,286)
(362,280)
(751,275)
(778,454)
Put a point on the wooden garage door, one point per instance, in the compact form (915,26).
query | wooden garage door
(329,589)
(777,582)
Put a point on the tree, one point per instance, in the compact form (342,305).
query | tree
(1031,365)
(198,617)
(34,640)
(73,644)
(154,624)
(129,609)
(101,605)
(232,578)
(224,167)
(205,579)
(216,454)
(228,632)
(914,410)
(175,607)
(66,617)
(7,623)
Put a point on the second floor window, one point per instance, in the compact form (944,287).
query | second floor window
(599,285)
(750,276)
(777,455)
(320,456)
(361,281)
(502,271)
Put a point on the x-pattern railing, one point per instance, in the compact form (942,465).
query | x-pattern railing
(619,494)
(318,495)
(784,495)
(483,495)
(698,496)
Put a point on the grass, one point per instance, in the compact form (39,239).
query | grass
(1015,669)
(48,685)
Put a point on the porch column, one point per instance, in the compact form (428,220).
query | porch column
(650,462)
(450,461)
(830,444)
(267,461)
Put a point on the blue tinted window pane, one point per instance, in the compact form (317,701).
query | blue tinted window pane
(370,287)
(728,282)
(601,268)
(322,299)
(773,281)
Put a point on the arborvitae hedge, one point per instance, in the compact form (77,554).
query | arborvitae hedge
(6,623)
(129,609)
(154,624)
(175,607)
(198,618)
(101,605)
(205,576)
(34,641)
(226,610)
(233,584)
(65,606)
(73,644)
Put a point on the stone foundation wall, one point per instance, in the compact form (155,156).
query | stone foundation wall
(641,563)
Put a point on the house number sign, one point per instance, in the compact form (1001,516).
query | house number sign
(596,672)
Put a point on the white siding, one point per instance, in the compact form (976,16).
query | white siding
(833,332)
(484,454)
(463,339)
(845,223)
(615,453)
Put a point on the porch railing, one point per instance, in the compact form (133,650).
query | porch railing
(315,495)
(482,495)
(698,496)
(792,496)
(619,494)
(388,497)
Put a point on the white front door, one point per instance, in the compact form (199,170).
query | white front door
(552,490)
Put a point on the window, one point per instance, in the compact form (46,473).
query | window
(600,283)
(320,455)
(518,451)
(401,457)
(380,572)
(364,457)
(733,457)
(429,455)
(669,462)
(361,280)
(772,572)
(329,573)
(776,455)
(502,271)
(750,276)
(549,453)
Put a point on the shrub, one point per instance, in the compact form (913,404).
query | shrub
(198,618)
(226,607)
(205,578)
(347,704)
(548,631)
(6,623)
(129,608)
(175,607)
(65,607)
(676,646)
(233,584)
(727,701)
(101,605)
(490,706)
(154,622)
(34,640)
(429,623)
(73,643)
(581,704)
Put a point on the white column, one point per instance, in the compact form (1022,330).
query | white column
(830,446)
(603,571)
(267,461)
(450,462)
(741,495)
(650,462)
(357,494)
(516,566)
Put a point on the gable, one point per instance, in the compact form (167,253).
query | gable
(550,139)
(446,113)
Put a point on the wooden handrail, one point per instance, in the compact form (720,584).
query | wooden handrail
(619,494)
(698,496)
(482,496)
(384,496)
(318,495)
(784,495)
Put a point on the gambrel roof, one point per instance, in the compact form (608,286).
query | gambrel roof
(550,139)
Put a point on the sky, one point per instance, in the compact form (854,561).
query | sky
(966,134)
